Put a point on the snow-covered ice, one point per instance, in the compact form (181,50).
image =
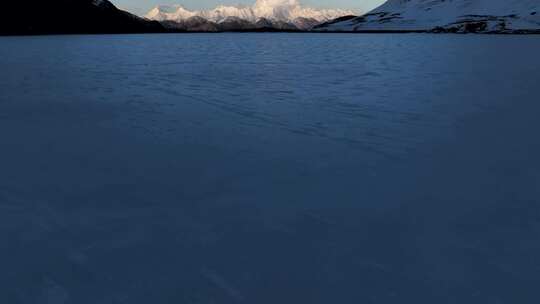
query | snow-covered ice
(277,168)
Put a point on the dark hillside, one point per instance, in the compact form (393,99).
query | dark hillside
(31,17)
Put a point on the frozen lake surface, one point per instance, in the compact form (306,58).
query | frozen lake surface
(269,168)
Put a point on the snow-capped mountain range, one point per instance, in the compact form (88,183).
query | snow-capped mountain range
(446,16)
(288,11)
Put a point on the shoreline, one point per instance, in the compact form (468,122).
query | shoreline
(517,32)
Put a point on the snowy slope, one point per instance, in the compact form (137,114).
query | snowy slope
(277,10)
(450,15)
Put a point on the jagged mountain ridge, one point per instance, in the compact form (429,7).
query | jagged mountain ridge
(446,16)
(70,17)
(277,12)
(233,24)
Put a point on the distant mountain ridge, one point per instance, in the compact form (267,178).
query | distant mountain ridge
(276,14)
(484,16)
(30,17)
(24,17)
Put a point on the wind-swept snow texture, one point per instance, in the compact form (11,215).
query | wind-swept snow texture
(446,15)
(269,169)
